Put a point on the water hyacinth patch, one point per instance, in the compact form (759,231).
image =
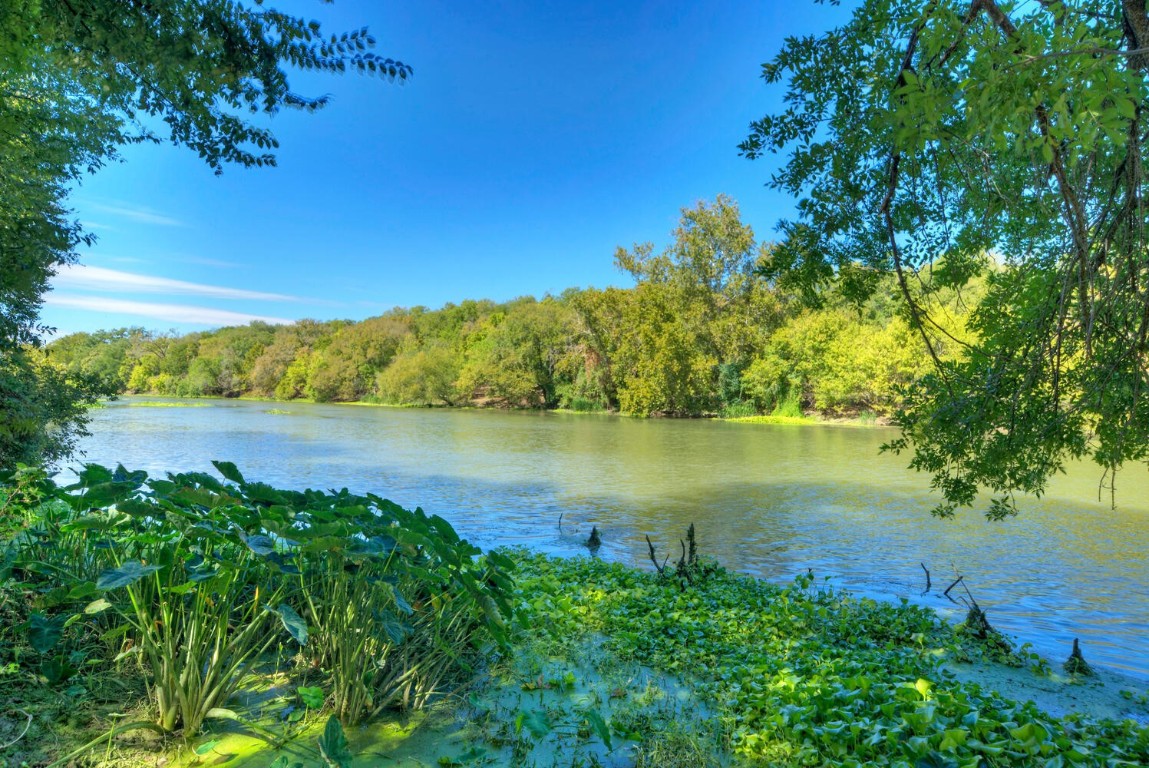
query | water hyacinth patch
(806,675)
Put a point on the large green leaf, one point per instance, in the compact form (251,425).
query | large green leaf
(127,574)
(292,622)
(536,721)
(229,471)
(400,602)
(104,495)
(44,632)
(333,745)
(599,725)
(311,696)
(396,630)
(97,606)
(260,544)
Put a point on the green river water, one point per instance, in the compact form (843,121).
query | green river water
(772,501)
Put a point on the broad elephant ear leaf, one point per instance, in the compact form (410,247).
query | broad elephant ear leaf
(599,725)
(333,745)
(127,574)
(44,632)
(229,471)
(260,544)
(292,622)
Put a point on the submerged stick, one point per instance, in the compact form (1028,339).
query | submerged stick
(561,522)
(951,586)
(929,583)
(1076,664)
(653,557)
(27,725)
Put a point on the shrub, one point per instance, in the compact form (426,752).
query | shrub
(204,577)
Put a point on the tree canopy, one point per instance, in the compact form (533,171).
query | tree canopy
(942,140)
(697,335)
(81,78)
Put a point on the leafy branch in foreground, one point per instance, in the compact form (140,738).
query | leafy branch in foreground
(924,137)
(79,80)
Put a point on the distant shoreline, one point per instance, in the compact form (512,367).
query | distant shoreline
(143,399)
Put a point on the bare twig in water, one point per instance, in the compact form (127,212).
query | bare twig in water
(561,522)
(929,583)
(654,558)
(28,724)
(683,569)
(957,581)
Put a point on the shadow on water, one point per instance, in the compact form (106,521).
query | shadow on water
(768,501)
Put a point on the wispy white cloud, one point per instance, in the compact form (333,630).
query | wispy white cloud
(118,259)
(174,313)
(206,262)
(83,277)
(96,225)
(137,213)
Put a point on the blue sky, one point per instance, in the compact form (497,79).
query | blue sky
(533,139)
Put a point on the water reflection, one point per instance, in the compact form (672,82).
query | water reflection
(770,501)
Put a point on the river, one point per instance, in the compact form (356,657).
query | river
(772,501)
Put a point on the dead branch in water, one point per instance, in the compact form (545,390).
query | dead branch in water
(595,540)
(956,581)
(929,583)
(1076,664)
(683,569)
(654,558)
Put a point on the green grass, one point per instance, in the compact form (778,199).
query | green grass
(771,419)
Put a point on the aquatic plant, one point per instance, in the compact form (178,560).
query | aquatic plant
(199,578)
(808,675)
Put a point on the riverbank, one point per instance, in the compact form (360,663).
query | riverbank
(812,419)
(613,666)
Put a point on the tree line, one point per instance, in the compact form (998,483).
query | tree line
(700,333)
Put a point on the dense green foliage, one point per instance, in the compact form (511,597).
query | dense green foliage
(936,133)
(80,79)
(699,333)
(201,587)
(805,675)
(191,581)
